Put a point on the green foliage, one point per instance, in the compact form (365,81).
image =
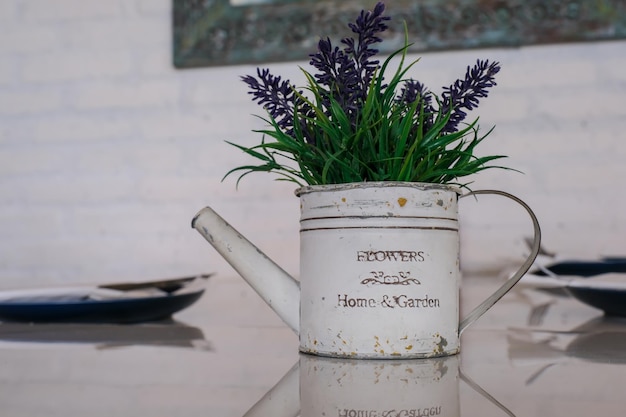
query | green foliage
(390,140)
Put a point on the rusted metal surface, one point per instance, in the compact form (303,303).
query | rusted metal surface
(228,32)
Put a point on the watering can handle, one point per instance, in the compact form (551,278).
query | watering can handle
(506,287)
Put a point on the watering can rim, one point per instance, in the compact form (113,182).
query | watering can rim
(376,184)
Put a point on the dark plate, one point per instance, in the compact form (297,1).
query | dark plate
(126,310)
(586,268)
(132,302)
(610,300)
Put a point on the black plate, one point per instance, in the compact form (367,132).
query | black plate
(129,302)
(586,268)
(126,310)
(610,300)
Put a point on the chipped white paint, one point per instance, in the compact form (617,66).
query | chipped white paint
(379,270)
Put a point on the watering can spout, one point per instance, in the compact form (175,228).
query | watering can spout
(275,286)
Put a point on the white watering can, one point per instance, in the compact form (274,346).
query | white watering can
(379,269)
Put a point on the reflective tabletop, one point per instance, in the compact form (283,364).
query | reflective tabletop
(536,353)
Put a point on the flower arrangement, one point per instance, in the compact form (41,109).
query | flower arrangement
(350,124)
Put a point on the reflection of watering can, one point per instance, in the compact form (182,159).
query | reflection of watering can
(353,237)
(346,388)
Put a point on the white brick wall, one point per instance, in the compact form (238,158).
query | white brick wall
(107,152)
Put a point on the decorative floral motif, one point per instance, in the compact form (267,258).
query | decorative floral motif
(380,278)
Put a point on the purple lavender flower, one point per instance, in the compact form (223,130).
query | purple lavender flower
(344,76)
(465,94)
(357,125)
(275,95)
(347,73)
(412,91)
(367,26)
(337,72)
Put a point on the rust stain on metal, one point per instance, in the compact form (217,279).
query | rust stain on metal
(441,345)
